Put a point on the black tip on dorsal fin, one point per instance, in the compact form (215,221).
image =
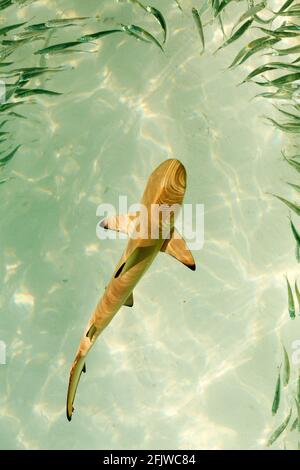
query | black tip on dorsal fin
(84,368)
(119,270)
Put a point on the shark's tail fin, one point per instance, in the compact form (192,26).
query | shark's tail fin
(78,365)
(77,368)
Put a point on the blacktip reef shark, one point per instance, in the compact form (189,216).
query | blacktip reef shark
(165,188)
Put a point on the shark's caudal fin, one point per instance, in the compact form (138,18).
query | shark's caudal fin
(76,371)
(177,247)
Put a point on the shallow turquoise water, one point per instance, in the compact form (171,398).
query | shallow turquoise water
(193,363)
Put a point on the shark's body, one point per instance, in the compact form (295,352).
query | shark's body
(166,187)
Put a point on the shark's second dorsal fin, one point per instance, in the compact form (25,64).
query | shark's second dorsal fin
(177,247)
(119,223)
(92,330)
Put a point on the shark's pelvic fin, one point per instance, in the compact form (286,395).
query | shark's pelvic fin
(177,247)
(129,301)
(119,223)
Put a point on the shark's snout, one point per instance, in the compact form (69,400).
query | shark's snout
(179,176)
(173,182)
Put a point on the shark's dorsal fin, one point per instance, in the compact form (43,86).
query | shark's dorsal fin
(119,223)
(138,255)
(177,247)
(129,301)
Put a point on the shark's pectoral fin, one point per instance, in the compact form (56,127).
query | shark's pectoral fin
(119,223)
(177,247)
(129,301)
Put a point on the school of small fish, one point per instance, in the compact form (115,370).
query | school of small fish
(283,86)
